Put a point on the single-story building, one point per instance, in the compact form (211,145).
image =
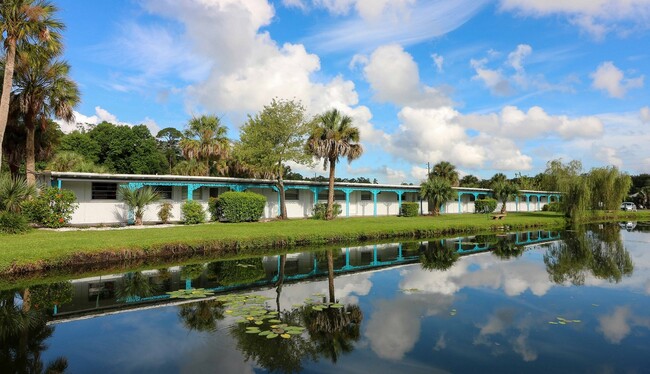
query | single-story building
(99,204)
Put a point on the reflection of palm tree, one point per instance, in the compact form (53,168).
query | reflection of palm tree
(436,256)
(135,285)
(333,330)
(505,248)
(202,315)
(330,275)
(280,282)
(22,337)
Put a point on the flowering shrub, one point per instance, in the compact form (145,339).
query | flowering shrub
(52,208)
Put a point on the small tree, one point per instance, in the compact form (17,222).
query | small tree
(504,190)
(137,200)
(437,191)
(13,191)
(274,137)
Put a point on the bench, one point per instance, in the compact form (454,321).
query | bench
(498,216)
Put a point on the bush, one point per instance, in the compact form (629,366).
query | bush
(551,207)
(410,209)
(212,208)
(320,210)
(13,223)
(485,206)
(165,212)
(52,208)
(192,212)
(240,206)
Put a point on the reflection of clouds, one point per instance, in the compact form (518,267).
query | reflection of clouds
(441,343)
(503,322)
(514,277)
(616,326)
(394,327)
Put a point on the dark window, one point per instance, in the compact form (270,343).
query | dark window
(104,191)
(214,192)
(365,196)
(196,195)
(291,194)
(338,195)
(165,192)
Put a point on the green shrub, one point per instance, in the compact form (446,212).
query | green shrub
(485,206)
(320,210)
(240,206)
(165,212)
(551,207)
(192,212)
(13,223)
(212,208)
(410,209)
(52,208)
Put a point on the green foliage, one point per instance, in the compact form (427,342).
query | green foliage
(137,200)
(485,206)
(169,140)
(504,190)
(13,223)
(237,272)
(46,296)
(165,212)
(435,256)
(192,212)
(469,181)
(13,191)
(609,187)
(558,176)
(235,206)
(410,209)
(437,191)
(552,207)
(212,209)
(445,170)
(576,198)
(72,161)
(52,208)
(320,211)
(81,143)
(206,142)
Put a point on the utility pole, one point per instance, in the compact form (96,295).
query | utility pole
(428,169)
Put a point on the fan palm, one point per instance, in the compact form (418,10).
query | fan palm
(191,167)
(206,141)
(13,191)
(445,170)
(42,89)
(504,190)
(24,21)
(137,200)
(72,161)
(333,137)
(437,191)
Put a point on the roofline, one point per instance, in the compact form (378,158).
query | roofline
(57,175)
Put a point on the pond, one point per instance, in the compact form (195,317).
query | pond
(571,301)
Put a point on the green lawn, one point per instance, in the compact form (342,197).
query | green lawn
(40,248)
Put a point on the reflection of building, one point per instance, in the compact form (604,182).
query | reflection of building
(98,203)
(98,295)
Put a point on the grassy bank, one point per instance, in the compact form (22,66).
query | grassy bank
(45,250)
(40,249)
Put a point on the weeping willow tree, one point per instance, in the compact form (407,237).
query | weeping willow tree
(609,187)
(576,199)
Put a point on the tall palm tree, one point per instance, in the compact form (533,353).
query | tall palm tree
(24,21)
(206,141)
(445,170)
(333,137)
(42,89)
(137,200)
(504,190)
(437,191)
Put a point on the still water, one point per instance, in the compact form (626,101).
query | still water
(574,301)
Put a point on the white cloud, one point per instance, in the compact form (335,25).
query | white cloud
(644,114)
(611,79)
(394,77)
(384,173)
(438,61)
(493,79)
(102,115)
(596,17)
(516,60)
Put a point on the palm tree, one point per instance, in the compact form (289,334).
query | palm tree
(504,190)
(13,191)
(24,21)
(191,167)
(437,191)
(43,89)
(73,161)
(334,136)
(445,170)
(137,200)
(206,141)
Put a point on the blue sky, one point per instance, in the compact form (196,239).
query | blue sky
(491,86)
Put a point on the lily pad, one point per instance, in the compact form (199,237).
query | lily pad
(274,321)
(286,336)
(271,336)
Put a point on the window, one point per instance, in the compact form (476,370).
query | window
(291,194)
(366,196)
(165,192)
(196,195)
(104,191)
(338,195)
(214,192)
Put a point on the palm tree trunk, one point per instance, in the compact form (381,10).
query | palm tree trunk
(330,275)
(330,194)
(30,153)
(278,290)
(6,89)
(283,203)
(503,207)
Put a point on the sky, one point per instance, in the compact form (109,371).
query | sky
(490,86)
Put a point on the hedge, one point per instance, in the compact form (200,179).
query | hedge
(240,206)
(410,209)
(320,210)
(485,206)
(192,212)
